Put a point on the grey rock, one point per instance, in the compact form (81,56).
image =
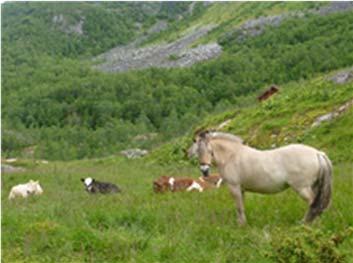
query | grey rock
(64,26)
(5,168)
(335,7)
(256,27)
(159,26)
(342,77)
(326,117)
(134,153)
(145,137)
(334,114)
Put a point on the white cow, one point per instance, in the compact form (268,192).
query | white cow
(24,190)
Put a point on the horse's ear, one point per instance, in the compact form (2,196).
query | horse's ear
(204,134)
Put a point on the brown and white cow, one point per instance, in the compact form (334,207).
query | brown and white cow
(161,184)
(178,184)
(214,179)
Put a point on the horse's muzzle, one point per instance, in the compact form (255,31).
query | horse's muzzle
(205,169)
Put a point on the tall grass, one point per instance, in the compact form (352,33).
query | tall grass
(66,224)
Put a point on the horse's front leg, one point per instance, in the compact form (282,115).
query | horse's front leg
(238,196)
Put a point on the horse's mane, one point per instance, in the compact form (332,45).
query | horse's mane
(226,136)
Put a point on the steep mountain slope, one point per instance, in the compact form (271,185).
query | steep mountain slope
(196,39)
(229,15)
(86,28)
(62,108)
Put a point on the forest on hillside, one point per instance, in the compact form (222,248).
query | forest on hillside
(55,103)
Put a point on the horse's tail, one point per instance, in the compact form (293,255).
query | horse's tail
(323,188)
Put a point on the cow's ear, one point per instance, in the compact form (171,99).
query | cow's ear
(82,179)
(93,180)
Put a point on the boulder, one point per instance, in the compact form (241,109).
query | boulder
(5,168)
(331,115)
(342,77)
(134,153)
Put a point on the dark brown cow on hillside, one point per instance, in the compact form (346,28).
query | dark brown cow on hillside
(268,93)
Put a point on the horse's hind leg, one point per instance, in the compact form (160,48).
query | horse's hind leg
(308,195)
(238,196)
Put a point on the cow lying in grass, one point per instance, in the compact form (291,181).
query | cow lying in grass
(177,184)
(161,184)
(25,190)
(214,179)
(93,186)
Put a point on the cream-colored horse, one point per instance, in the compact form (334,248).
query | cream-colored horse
(303,168)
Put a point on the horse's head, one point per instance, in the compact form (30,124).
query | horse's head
(207,145)
(203,150)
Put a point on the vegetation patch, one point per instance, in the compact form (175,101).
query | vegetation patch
(306,244)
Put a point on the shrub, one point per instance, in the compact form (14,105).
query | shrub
(306,244)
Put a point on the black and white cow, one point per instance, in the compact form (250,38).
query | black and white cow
(93,186)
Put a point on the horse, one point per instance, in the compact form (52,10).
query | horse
(25,190)
(305,169)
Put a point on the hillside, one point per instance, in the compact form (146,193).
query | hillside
(196,39)
(83,81)
(74,29)
(291,116)
(56,105)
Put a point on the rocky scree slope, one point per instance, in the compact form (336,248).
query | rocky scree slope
(170,55)
(179,53)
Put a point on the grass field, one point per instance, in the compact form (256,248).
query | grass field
(72,112)
(66,224)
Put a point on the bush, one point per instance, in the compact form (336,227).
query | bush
(306,244)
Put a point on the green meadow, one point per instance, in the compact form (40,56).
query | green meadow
(56,107)
(66,224)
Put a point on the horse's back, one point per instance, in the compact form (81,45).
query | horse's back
(297,154)
(300,162)
(273,170)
